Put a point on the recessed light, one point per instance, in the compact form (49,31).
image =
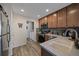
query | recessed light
(73,11)
(38,16)
(45,18)
(54,14)
(22,10)
(47,10)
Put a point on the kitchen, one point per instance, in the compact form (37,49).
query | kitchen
(59,32)
(50,29)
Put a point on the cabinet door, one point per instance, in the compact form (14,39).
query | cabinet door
(73,15)
(45,20)
(50,21)
(46,37)
(39,23)
(54,20)
(61,18)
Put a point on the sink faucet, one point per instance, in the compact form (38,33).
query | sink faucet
(72,30)
(76,37)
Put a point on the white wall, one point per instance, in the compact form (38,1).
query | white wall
(20,34)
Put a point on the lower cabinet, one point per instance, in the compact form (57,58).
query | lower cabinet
(46,37)
(45,53)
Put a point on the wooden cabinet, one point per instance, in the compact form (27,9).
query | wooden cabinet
(52,20)
(61,18)
(66,17)
(49,21)
(43,21)
(45,52)
(73,15)
(39,23)
(46,37)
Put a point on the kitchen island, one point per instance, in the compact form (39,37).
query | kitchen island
(59,46)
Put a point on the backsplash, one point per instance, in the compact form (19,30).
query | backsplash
(60,31)
(57,31)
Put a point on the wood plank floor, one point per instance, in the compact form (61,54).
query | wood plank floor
(30,49)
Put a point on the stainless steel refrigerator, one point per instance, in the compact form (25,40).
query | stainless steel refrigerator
(4,32)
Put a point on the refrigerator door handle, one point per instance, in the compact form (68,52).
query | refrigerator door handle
(8,42)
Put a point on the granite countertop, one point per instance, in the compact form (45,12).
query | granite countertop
(60,46)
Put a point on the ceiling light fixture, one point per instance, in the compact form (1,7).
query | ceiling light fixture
(38,16)
(22,10)
(47,10)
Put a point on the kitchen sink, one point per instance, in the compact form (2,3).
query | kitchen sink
(63,42)
(64,46)
(61,48)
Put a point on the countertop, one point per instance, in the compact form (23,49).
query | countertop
(60,46)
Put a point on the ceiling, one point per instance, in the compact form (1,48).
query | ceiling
(31,10)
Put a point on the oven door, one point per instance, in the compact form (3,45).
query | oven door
(41,38)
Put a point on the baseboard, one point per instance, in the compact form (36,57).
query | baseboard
(19,45)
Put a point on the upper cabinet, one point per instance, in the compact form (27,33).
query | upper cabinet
(66,17)
(43,21)
(49,21)
(39,23)
(73,15)
(52,20)
(62,18)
